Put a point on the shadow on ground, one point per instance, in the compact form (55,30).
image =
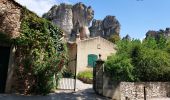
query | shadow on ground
(87,94)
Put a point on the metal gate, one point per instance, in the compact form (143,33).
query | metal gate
(66,84)
(4,59)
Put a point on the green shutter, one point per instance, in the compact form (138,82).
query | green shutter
(92,60)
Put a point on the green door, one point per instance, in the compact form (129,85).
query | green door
(92,58)
(4,59)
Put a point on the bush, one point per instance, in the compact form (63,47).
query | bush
(120,67)
(67,74)
(86,76)
(136,61)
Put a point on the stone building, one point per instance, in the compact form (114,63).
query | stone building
(10,15)
(84,53)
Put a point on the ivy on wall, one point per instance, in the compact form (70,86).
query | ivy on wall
(41,54)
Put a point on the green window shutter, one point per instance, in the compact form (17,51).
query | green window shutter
(92,58)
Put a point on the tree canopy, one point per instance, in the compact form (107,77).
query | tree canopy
(148,60)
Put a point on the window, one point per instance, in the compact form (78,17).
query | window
(92,58)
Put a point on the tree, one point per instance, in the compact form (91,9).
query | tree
(136,61)
(114,38)
(127,37)
(120,67)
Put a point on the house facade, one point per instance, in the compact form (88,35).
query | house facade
(84,53)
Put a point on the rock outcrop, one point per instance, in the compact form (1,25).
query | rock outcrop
(75,21)
(72,19)
(62,16)
(96,29)
(156,34)
(106,28)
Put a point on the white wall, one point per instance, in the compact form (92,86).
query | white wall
(96,46)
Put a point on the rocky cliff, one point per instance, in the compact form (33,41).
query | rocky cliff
(105,28)
(73,19)
(156,34)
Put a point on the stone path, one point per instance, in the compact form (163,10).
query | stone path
(84,92)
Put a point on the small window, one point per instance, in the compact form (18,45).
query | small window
(92,58)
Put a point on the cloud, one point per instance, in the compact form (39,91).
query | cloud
(39,6)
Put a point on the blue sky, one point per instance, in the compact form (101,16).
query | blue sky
(136,17)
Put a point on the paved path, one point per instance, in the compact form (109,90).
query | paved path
(158,99)
(84,92)
(87,94)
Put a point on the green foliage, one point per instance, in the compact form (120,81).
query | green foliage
(42,53)
(136,61)
(114,38)
(85,74)
(120,67)
(152,65)
(67,74)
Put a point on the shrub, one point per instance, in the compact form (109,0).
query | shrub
(136,61)
(119,68)
(85,76)
(67,74)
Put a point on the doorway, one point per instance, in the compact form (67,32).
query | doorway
(4,60)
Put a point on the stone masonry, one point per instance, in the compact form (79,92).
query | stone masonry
(135,90)
(10,15)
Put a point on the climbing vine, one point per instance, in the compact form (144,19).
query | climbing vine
(41,54)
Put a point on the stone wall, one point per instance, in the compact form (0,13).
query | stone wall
(10,15)
(135,90)
(128,90)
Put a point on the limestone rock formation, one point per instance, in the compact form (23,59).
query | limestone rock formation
(106,28)
(75,19)
(156,34)
(96,29)
(72,19)
(62,16)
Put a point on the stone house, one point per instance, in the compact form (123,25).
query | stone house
(84,53)
(10,16)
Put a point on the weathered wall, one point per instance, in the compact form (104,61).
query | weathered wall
(10,15)
(10,20)
(135,90)
(72,48)
(95,46)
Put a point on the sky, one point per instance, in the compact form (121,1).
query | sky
(135,16)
